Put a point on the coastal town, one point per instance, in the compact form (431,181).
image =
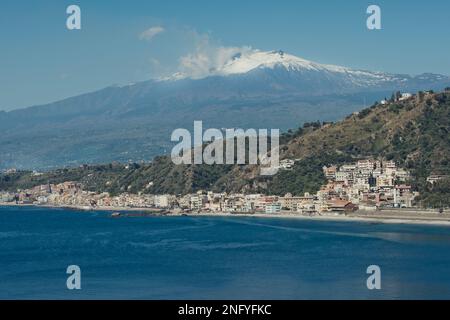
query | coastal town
(367,185)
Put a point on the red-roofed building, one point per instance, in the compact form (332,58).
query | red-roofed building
(341,206)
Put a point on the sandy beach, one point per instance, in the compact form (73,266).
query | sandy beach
(393,216)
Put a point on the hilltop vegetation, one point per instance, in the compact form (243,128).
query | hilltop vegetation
(414,133)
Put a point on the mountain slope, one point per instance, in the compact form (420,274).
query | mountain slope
(414,133)
(134,122)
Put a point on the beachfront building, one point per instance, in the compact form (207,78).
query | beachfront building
(272,208)
(184,202)
(164,201)
(341,206)
(403,197)
(252,201)
(264,201)
(290,202)
(235,203)
(197,201)
(7,197)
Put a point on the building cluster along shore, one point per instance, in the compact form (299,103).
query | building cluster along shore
(365,185)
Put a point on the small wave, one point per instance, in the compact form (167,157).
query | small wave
(229,245)
(14,234)
(197,245)
(401,237)
(160,243)
(305,230)
(175,229)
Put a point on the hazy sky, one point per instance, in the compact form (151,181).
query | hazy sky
(128,41)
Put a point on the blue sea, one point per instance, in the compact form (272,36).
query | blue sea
(216,257)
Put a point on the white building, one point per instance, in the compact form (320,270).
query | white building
(164,201)
(405,96)
(196,202)
(286,164)
(308,207)
(273,208)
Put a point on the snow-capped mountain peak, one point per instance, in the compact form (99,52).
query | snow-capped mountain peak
(243,63)
(246,61)
(280,71)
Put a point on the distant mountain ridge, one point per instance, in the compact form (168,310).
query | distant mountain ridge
(256,61)
(132,123)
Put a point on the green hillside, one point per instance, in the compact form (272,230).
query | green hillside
(414,133)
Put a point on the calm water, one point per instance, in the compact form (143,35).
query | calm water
(214,258)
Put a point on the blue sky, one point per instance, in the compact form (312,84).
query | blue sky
(41,61)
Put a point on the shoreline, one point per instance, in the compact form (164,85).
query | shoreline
(391,216)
